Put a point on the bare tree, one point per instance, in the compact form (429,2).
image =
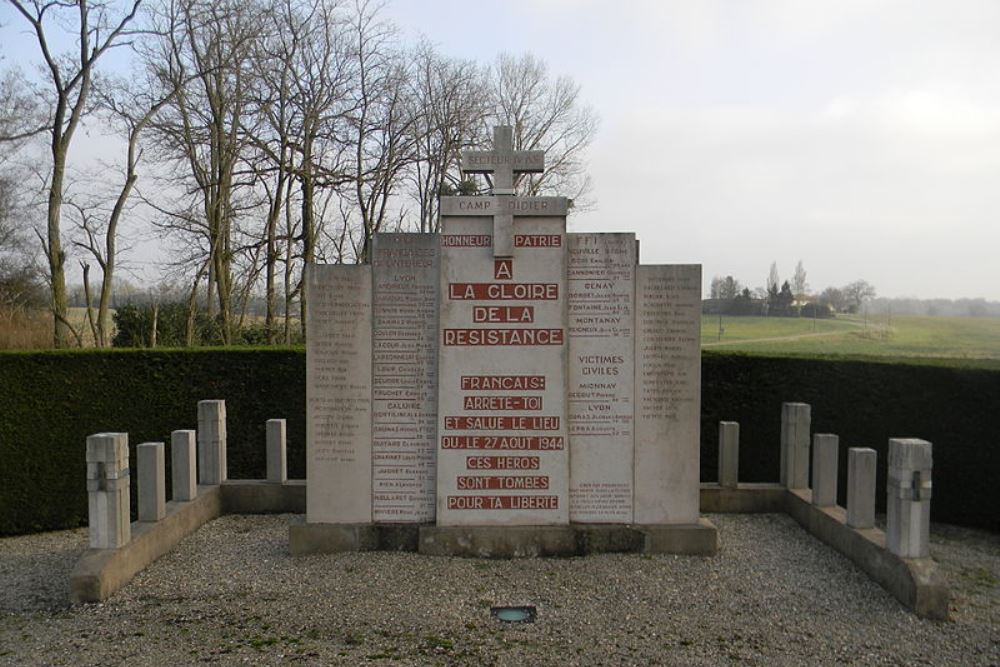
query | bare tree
(379,126)
(133,111)
(799,285)
(858,292)
(773,279)
(325,72)
(546,115)
(20,287)
(452,102)
(97,29)
(20,116)
(205,54)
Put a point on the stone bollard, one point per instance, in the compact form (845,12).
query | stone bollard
(729,454)
(861,487)
(277,467)
(108,490)
(795,423)
(826,449)
(151,483)
(183,465)
(211,442)
(908,505)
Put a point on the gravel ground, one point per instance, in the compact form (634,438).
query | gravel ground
(231,594)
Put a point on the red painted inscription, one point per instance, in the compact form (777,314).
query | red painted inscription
(515,314)
(502,483)
(502,462)
(503,269)
(537,241)
(510,337)
(503,291)
(503,382)
(503,502)
(513,423)
(502,403)
(466,240)
(529,443)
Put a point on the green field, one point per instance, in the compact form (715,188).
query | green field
(966,341)
(975,341)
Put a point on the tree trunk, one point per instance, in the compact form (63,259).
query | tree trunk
(54,251)
(308,233)
(156,317)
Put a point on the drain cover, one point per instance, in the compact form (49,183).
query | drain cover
(524,614)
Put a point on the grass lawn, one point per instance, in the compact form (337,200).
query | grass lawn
(974,340)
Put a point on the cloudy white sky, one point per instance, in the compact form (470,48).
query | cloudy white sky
(861,137)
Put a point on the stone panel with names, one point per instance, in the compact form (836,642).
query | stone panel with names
(601,303)
(404,359)
(338,394)
(668,393)
(502,445)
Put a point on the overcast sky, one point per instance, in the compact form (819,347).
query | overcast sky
(861,137)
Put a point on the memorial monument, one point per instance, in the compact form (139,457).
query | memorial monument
(503,387)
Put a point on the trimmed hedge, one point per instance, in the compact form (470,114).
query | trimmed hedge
(865,402)
(50,402)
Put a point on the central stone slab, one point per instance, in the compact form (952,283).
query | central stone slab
(503,388)
(502,420)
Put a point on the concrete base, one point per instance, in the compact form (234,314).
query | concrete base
(101,572)
(260,497)
(916,582)
(694,539)
(600,538)
(497,541)
(744,499)
(573,540)
(331,538)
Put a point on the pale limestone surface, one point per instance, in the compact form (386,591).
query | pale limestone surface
(492,436)
(277,459)
(503,163)
(151,483)
(339,394)
(108,492)
(729,454)
(908,502)
(404,403)
(601,300)
(668,393)
(183,471)
(211,442)
(861,487)
(825,457)
(795,425)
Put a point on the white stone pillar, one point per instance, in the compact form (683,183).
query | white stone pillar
(729,454)
(861,487)
(211,442)
(908,505)
(795,421)
(183,465)
(825,452)
(277,467)
(108,490)
(151,483)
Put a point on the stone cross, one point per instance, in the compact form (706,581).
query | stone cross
(503,162)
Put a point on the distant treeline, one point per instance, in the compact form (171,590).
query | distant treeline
(936,307)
